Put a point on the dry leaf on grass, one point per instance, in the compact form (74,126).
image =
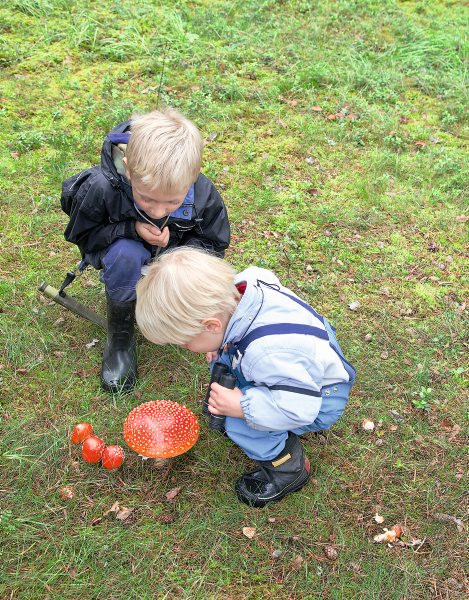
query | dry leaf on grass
(123,513)
(172,494)
(114,508)
(249,532)
(297,562)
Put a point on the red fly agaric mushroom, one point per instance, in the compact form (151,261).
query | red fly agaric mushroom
(112,458)
(161,429)
(92,449)
(81,432)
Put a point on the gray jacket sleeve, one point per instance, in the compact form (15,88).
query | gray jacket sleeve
(295,404)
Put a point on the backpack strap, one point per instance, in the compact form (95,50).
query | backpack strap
(349,368)
(280,328)
(275,329)
(288,328)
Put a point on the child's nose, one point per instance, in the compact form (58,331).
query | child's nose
(159,213)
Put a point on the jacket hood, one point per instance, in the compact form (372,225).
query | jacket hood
(250,302)
(107,163)
(252,275)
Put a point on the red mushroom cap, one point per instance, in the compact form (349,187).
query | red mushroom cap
(92,449)
(161,429)
(81,432)
(112,458)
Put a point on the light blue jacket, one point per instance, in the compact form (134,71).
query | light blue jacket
(304,362)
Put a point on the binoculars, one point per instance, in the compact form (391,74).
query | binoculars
(221,375)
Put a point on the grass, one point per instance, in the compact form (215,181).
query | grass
(360,200)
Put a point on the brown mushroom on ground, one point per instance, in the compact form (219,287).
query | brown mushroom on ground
(161,429)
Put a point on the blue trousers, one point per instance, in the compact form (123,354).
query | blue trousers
(266,445)
(121,266)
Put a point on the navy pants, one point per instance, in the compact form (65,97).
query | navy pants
(121,265)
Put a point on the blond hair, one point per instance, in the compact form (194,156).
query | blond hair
(164,151)
(182,288)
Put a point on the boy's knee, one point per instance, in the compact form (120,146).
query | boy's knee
(122,266)
(127,255)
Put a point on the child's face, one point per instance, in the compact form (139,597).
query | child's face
(211,339)
(154,203)
(204,342)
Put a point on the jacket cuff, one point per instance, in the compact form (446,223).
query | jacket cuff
(130,232)
(245,405)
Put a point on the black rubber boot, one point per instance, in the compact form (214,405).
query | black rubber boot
(119,369)
(275,479)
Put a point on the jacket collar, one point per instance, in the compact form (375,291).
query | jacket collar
(121,135)
(108,167)
(243,317)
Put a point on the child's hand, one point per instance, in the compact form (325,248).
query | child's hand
(152,235)
(211,356)
(224,401)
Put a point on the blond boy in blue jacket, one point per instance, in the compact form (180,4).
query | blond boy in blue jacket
(291,374)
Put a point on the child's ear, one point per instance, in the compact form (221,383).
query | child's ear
(213,325)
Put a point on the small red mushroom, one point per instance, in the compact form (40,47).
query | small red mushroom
(161,429)
(112,458)
(81,432)
(397,530)
(92,449)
